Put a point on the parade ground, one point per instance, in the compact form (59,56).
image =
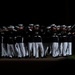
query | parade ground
(48,58)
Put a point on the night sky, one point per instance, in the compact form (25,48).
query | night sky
(53,12)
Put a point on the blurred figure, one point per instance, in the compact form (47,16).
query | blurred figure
(38,41)
(17,41)
(73,39)
(4,39)
(11,42)
(48,49)
(64,43)
(59,38)
(55,40)
(69,39)
(31,44)
(0,40)
(20,47)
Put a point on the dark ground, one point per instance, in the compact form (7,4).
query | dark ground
(33,59)
(45,65)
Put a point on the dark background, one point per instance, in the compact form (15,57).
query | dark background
(58,12)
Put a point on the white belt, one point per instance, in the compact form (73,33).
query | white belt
(55,36)
(37,36)
(64,36)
